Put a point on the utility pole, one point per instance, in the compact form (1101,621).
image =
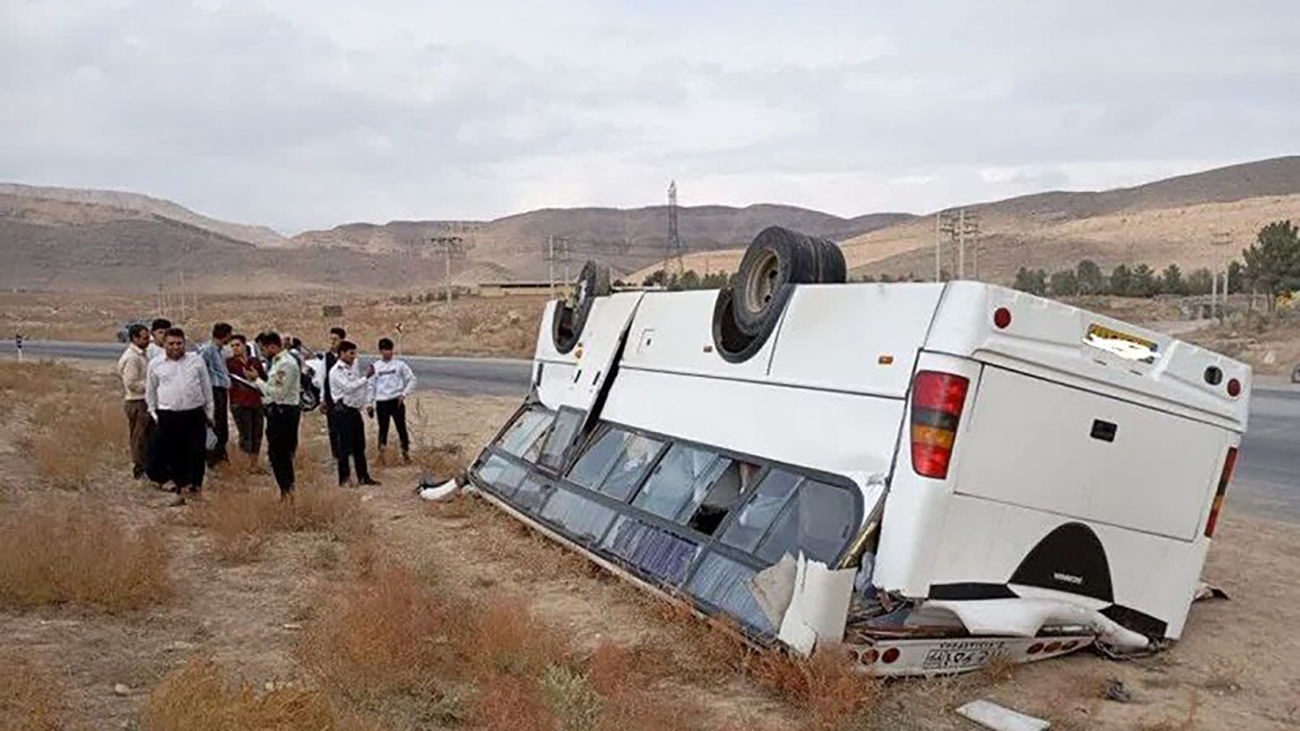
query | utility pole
(959,225)
(1221,239)
(550,262)
(451,247)
(938,255)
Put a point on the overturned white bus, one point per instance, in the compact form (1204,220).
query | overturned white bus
(931,474)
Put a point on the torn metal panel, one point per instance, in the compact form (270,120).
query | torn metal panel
(1026,617)
(819,605)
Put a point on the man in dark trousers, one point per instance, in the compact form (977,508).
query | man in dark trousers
(179,396)
(214,357)
(280,392)
(351,392)
(392,382)
(337,335)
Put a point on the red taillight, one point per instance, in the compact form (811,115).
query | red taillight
(1002,318)
(890,655)
(1234,388)
(1035,648)
(937,403)
(1229,464)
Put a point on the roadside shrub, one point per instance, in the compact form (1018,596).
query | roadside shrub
(52,552)
(70,452)
(29,698)
(243,521)
(198,697)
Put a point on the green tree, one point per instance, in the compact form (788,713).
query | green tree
(1033,281)
(1089,277)
(1064,283)
(1236,277)
(1171,281)
(658,278)
(1273,261)
(1144,282)
(690,280)
(1199,281)
(1121,280)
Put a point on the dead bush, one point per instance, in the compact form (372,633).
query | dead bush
(243,521)
(198,697)
(52,552)
(386,636)
(29,699)
(69,452)
(511,703)
(825,685)
(510,639)
(441,460)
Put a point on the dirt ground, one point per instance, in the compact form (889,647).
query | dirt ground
(479,326)
(1234,667)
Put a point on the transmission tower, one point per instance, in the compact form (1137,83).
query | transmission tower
(673,244)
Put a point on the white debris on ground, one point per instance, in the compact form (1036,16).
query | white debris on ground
(439,492)
(999,718)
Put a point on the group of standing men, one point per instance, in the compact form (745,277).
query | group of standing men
(178,403)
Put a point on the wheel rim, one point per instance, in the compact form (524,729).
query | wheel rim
(761,284)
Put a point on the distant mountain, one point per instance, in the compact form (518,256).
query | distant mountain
(626,239)
(58,238)
(1176,220)
(39,203)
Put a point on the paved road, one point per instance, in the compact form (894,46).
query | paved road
(493,376)
(1268,473)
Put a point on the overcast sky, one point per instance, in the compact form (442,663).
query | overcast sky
(306,114)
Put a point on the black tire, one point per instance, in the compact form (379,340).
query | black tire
(831,267)
(777,257)
(1295,374)
(570,317)
(730,343)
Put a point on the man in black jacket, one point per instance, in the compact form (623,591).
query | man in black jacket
(337,335)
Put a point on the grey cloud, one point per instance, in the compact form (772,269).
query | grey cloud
(333,111)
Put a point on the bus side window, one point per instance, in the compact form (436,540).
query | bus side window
(725,493)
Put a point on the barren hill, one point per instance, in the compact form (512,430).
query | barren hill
(1176,220)
(53,205)
(626,239)
(56,238)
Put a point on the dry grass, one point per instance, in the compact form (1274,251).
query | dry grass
(243,521)
(825,686)
(440,460)
(67,424)
(69,452)
(52,552)
(199,697)
(383,637)
(29,698)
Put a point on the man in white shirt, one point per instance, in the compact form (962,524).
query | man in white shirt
(178,393)
(350,392)
(392,382)
(159,329)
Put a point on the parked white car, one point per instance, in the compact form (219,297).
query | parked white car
(933,474)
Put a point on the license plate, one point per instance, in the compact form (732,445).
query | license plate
(961,655)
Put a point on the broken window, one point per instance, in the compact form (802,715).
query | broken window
(615,464)
(818,520)
(567,424)
(582,518)
(719,581)
(523,438)
(757,515)
(711,502)
(674,480)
